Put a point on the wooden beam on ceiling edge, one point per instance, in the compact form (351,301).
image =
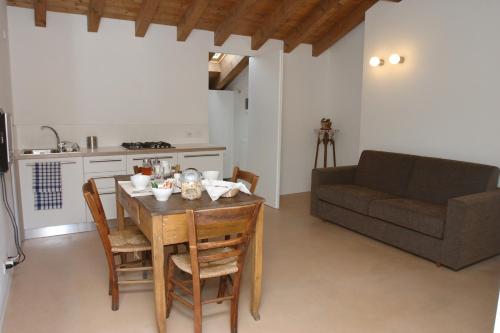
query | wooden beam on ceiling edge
(316,17)
(190,18)
(96,8)
(274,21)
(225,28)
(233,73)
(40,7)
(145,16)
(342,27)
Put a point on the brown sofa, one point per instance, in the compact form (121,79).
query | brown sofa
(443,210)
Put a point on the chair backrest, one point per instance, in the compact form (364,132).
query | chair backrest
(247,176)
(205,225)
(95,206)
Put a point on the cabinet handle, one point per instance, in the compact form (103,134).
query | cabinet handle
(105,193)
(201,155)
(104,161)
(62,163)
(160,158)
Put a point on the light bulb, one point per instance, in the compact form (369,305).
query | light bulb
(376,62)
(396,59)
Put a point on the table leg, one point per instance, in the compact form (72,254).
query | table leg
(257,265)
(120,214)
(159,274)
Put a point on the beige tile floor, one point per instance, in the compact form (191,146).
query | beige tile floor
(317,278)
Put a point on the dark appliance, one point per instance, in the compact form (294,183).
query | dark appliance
(5,141)
(146,145)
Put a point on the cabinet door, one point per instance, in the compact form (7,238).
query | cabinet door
(136,160)
(73,203)
(202,161)
(102,170)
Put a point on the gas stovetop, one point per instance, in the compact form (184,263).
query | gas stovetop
(146,145)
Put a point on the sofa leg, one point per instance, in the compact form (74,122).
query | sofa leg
(438,264)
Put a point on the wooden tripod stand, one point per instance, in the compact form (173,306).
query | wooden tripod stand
(325,136)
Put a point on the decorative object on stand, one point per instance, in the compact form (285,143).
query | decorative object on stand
(326,135)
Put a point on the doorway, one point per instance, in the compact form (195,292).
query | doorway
(245,101)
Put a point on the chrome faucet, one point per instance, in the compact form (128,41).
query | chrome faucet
(59,143)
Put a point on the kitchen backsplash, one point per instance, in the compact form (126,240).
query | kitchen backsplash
(31,136)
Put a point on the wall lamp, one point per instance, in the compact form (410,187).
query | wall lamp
(376,62)
(394,59)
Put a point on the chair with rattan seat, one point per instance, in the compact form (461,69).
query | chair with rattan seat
(251,178)
(213,258)
(118,242)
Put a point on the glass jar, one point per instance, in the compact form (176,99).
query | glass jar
(191,187)
(147,167)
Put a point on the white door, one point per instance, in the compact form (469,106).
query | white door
(221,124)
(264,123)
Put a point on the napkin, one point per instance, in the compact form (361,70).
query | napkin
(129,188)
(216,188)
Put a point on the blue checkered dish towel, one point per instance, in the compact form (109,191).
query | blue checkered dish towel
(47,185)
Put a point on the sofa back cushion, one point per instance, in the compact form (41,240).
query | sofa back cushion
(437,180)
(384,171)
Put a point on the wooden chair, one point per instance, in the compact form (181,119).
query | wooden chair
(115,242)
(246,176)
(212,259)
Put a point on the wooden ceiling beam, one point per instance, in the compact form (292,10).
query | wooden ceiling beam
(316,17)
(96,9)
(342,27)
(40,7)
(225,28)
(145,16)
(273,21)
(190,19)
(233,73)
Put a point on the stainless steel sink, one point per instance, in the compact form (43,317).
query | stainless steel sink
(45,151)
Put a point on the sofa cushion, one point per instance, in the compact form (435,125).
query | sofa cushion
(420,216)
(352,197)
(385,172)
(437,180)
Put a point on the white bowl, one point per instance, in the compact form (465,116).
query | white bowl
(162,194)
(139,181)
(211,175)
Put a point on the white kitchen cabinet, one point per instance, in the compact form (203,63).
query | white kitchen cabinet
(73,204)
(103,169)
(202,161)
(136,159)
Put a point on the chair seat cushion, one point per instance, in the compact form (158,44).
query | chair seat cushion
(420,216)
(353,197)
(208,270)
(129,240)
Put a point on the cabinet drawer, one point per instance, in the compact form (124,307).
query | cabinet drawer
(202,161)
(104,163)
(104,180)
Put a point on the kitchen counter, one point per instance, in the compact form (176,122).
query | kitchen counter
(107,151)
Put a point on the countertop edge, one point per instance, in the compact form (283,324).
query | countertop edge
(110,151)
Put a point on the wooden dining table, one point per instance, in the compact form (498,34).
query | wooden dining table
(164,223)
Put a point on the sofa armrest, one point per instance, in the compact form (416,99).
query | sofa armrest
(472,230)
(330,176)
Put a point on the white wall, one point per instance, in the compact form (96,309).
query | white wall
(220,124)
(444,100)
(84,83)
(240,88)
(6,105)
(305,102)
(345,85)
(111,83)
